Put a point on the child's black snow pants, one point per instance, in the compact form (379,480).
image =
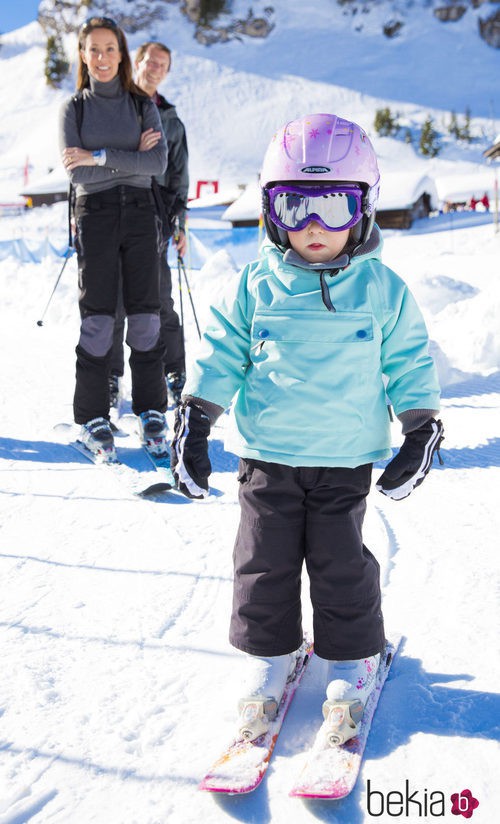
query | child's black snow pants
(288,516)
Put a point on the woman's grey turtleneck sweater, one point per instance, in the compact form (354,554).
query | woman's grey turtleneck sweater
(110,122)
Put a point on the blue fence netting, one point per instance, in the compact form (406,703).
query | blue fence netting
(242,243)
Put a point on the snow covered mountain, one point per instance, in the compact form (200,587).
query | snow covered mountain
(323,61)
(118,684)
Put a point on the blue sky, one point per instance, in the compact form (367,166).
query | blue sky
(17,13)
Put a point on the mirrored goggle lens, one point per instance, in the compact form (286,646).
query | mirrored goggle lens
(335,208)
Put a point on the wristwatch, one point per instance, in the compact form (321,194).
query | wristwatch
(99,156)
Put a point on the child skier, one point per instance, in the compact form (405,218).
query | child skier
(309,342)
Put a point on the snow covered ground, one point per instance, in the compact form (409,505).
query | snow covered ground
(118,685)
(118,682)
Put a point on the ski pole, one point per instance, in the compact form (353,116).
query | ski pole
(176,239)
(180,265)
(67,255)
(180,299)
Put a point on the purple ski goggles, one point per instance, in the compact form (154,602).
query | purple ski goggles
(334,207)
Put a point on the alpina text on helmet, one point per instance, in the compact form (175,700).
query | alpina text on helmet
(315,170)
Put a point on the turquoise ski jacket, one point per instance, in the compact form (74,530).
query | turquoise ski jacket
(309,386)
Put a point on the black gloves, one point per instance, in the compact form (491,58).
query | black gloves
(413,461)
(189,452)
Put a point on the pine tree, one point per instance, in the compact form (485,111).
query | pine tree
(453,126)
(56,62)
(460,132)
(429,139)
(465,130)
(385,122)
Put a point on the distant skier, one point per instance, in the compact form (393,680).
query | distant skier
(110,157)
(152,64)
(309,342)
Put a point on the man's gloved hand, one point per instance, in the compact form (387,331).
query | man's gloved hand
(189,451)
(413,461)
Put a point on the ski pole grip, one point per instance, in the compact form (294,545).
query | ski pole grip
(177,230)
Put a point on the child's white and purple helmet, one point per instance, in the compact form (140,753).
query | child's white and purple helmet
(320,150)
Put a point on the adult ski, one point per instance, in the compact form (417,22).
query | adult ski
(243,764)
(330,772)
(143,474)
(158,452)
(161,464)
(145,478)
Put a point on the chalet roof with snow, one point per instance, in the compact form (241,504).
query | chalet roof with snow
(493,153)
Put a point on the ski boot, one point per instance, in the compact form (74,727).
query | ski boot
(266,684)
(153,432)
(97,437)
(175,385)
(350,684)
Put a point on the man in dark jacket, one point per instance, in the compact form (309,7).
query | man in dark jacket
(152,64)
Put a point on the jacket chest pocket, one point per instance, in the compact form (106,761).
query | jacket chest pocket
(307,328)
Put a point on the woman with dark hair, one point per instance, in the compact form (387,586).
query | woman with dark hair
(112,144)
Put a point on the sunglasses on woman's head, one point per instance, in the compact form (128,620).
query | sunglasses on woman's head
(98,23)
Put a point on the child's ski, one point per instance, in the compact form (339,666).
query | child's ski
(243,764)
(331,772)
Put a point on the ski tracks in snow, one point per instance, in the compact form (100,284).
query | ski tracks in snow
(116,627)
(121,684)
